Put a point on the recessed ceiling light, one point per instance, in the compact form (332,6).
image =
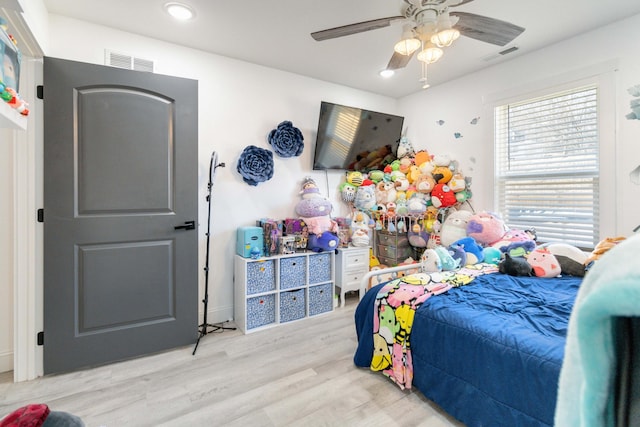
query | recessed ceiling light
(180,11)
(387,73)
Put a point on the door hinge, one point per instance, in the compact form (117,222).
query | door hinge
(40,92)
(40,215)
(41,338)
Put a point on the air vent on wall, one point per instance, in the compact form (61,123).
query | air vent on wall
(500,54)
(128,62)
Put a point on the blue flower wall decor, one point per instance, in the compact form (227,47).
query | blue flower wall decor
(255,165)
(286,140)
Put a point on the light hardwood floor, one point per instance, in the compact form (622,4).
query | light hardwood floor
(296,374)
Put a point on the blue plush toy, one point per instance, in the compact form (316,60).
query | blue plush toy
(323,242)
(492,255)
(472,249)
(448,263)
(519,249)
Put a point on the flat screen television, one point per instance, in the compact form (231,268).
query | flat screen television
(355,139)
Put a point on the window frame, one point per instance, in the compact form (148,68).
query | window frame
(603,76)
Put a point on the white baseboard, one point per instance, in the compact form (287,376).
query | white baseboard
(6,361)
(220,314)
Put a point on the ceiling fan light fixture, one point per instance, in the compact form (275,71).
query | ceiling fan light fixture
(179,11)
(445,37)
(445,34)
(430,54)
(386,73)
(408,43)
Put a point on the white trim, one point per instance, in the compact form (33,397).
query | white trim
(6,361)
(27,363)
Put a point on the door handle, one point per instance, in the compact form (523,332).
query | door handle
(188,225)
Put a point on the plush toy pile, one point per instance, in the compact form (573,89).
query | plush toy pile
(428,198)
(315,210)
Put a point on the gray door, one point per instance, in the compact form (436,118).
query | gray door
(120,173)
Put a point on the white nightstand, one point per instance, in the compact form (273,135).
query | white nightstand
(352,264)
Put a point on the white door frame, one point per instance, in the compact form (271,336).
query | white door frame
(28,242)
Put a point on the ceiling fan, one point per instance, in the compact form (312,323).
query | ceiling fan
(429,26)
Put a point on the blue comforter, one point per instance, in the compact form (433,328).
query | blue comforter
(489,353)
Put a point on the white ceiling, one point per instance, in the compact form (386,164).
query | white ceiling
(276,33)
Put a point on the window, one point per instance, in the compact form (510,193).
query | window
(547,165)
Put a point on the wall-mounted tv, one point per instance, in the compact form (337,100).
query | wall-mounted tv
(351,138)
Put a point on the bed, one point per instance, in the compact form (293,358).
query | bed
(489,352)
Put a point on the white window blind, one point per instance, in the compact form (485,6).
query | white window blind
(547,166)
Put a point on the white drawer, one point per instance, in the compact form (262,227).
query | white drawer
(357,259)
(351,279)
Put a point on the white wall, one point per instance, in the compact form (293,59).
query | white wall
(239,104)
(6,249)
(459,101)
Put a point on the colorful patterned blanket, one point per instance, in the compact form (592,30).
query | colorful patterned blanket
(396,304)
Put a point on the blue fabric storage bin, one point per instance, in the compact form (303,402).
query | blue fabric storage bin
(320,299)
(319,268)
(261,311)
(293,305)
(293,272)
(261,277)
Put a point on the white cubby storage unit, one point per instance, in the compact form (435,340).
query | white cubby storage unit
(278,289)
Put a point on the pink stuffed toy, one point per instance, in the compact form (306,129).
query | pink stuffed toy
(511,236)
(544,263)
(319,224)
(486,228)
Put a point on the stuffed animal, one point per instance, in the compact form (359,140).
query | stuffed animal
(416,204)
(430,261)
(511,236)
(376,175)
(572,259)
(320,224)
(492,255)
(365,197)
(448,263)
(454,227)
(458,254)
(347,192)
(405,149)
(385,192)
(603,246)
(486,228)
(417,236)
(544,263)
(425,183)
(322,242)
(442,196)
(360,238)
(442,159)
(516,266)
(519,249)
(442,174)
(473,250)
(457,182)
(421,157)
(355,178)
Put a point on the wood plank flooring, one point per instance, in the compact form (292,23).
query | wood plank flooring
(296,374)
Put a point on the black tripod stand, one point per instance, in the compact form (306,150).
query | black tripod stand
(207,328)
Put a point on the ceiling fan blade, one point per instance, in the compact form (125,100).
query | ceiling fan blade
(398,60)
(359,27)
(486,29)
(460,3)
